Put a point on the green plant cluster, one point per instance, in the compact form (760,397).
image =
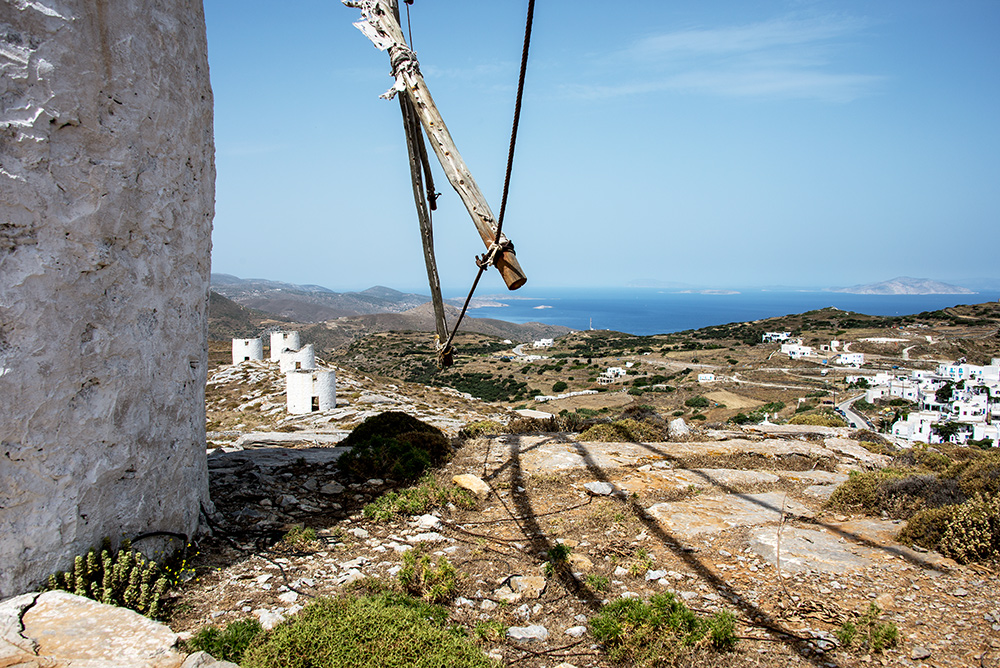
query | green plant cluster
(481,428)
(757,414)
(821,419)
(384,631)
(228,644)
(299,537)
(697,402)
(426,495)
(659,633)
(124,578)
(624,431)
(393,445)
(951,506)
(869,632)
(485,386)
(966,532)
(434,582)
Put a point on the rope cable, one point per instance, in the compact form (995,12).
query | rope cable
(489,257)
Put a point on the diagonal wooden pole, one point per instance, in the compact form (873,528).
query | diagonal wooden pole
(380,25)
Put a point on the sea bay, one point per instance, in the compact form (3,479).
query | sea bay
(646,311)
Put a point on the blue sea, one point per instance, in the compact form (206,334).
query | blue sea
(646,311)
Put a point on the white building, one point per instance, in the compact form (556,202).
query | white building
(851,359)
(610,375)
(282,340)
(990,431)
(706,377)
(296,360)
(542,343)
(248,350)
(796,350)
(310,391)
(917,427)
(775,337)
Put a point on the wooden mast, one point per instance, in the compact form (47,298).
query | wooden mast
(380,25)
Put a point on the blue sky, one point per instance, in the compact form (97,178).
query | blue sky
(718,144)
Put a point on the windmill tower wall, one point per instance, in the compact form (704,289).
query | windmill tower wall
(107,189)
(248,350)
(283,340)
(310,391)
(295,360)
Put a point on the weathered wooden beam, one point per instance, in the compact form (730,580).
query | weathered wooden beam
(379,24)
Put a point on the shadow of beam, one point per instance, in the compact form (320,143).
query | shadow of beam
(540,542)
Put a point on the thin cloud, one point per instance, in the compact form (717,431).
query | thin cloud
(784,58)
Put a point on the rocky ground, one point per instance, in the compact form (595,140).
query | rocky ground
(724,519)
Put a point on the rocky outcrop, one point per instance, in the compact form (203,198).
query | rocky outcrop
(106,205)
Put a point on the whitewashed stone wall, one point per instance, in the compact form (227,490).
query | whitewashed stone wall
(303,387)
(106,203)
(282,340)
(248,350)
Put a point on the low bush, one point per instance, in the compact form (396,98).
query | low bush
(481,428)
(980,475)
(299,537)
(972,533)
(228,644)
(384,631)
(898,493)
(434,582)
(393,445)
(927,527)
(659,633)
(871,634)
(823,419)
(421,498)
(624,431)
(697,402)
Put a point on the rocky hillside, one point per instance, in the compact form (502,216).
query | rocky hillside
(229,320)
(311,303)
(727,520)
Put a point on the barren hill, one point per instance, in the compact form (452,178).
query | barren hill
(904,285)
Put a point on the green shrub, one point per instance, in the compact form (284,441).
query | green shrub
(481,428)
(873,635)
(697,402)
(433,582)
(927,527)
(393,445)
(624,431)
(981,475)
(386,425)
(426,495)
(385,631)
(973,532)
(124,578)
(899,493)
(489,631)
(559,386)
(299,537)
(597,582)
(227,644)
(659,633)
(818,420)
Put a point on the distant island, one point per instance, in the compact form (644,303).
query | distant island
(904,285)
